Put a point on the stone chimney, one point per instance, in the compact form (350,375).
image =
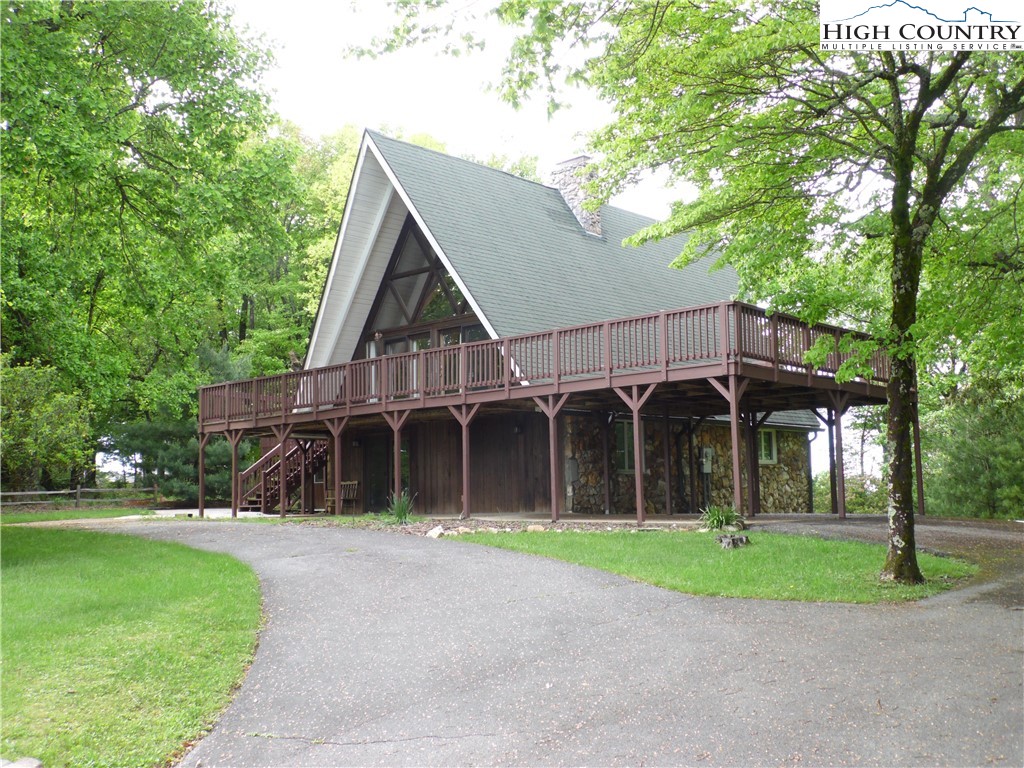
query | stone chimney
(570,178)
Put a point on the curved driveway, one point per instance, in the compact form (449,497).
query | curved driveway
(384,649)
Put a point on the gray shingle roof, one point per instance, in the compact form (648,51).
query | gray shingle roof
(526,260)
(529,264)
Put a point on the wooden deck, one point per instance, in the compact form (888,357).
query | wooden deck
(727,358)
(692,344)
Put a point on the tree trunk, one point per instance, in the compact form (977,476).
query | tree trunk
(901,559)
(243,316)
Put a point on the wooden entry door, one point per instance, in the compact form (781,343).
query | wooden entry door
(377,471)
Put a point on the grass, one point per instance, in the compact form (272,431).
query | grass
(772,566)
(10,518)
(374,520)
(117,650)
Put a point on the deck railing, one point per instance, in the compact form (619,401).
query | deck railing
(728,332)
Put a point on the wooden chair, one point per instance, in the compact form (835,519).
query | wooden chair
(349,492)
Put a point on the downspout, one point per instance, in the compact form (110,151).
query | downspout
(810,473)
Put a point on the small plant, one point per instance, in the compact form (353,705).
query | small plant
(716,518)
(400,507)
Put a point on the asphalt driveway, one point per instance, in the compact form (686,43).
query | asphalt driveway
(383,649)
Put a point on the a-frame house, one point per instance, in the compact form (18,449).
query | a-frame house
(488,344)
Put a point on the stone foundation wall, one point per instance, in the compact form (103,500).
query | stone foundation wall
(784,485)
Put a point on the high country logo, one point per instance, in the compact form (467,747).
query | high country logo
(937,25)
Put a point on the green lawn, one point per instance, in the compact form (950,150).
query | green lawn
(11,518)
(772,566)
(117,650)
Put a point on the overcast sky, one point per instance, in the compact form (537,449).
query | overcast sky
(416,90)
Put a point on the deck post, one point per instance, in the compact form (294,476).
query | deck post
(828,420)
(668,458)
(733,394)
(303,465)
(749,434)
(235,438)
(830,424)
(282,433)
(755,460)
(336,426)
(839,401)
(550,407)
(396,420)
(691,438)
(635,401)
(606,457)
(464,414)
(204,438)
(918,468)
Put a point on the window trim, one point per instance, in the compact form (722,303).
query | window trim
(623,460)
(773,457)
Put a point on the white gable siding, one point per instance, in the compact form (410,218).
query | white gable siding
(371,224)
(372,275)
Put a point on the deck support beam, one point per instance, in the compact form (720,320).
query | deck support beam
(281,434)
(303,469)
(635,401)
(833,421)
(606,458)
(667,454)
(550,407)
(204,439)
(829,421)
(235,438)
(830,431)
(464,414)
(694,506)
(733,394)
(840,404)
(753,423)
(336,427)
(396,420)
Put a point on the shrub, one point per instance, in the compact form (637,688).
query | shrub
(715,518)
(400,507)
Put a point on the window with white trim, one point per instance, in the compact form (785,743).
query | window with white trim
(767,447)
(624,457)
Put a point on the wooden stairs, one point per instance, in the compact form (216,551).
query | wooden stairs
(260,484)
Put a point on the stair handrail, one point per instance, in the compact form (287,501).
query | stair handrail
(264,474)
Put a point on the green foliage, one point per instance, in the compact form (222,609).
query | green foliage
(122,128)
(865,495)
(158,234)
(715,517)
(400,507)
(165,453)
(974,457)
(45,437)
(118,650)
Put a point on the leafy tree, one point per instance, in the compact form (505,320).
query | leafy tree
(121,125)
(45,436)
(165,452)
(865,188)
(975,455)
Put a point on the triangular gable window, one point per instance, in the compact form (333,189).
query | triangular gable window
(418,304)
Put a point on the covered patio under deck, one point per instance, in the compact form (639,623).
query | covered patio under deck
(722,359)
